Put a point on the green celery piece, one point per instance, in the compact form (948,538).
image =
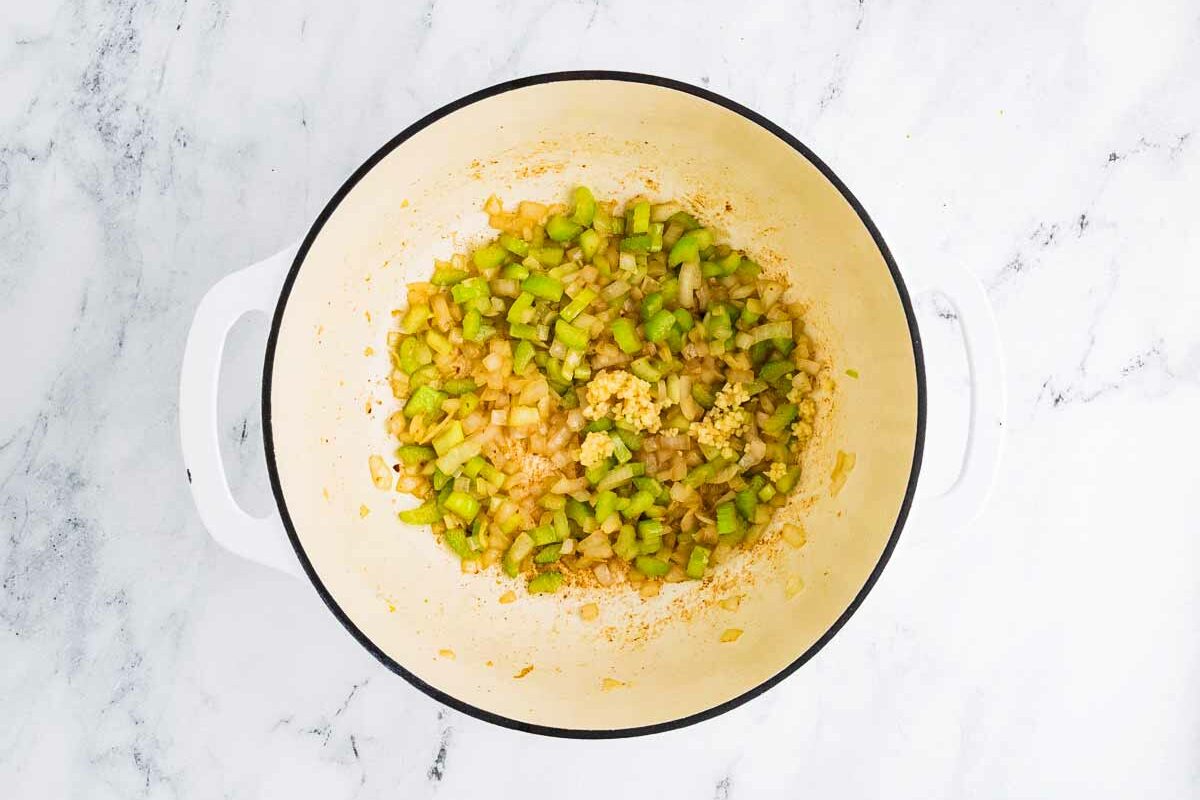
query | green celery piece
(703,473)
(683,318)
(489,257)
(543,535)
(548,256)
(632,439)
(596,474)
(546,583)
(788,481)
(703,395)
(522,354)
(457,541)
(640,217)
(589,243)
(674,339)
(709,269)
(448,438)
(689,246)
(580,513)
(747,271)
(780,419)
(514,244)
(470,289)
(562,229)
(467,403)
(620,451)
(639,503)
(459,386)
(517,552)
(438,342)
(413,454)
(625,335)
(543,286)
(562,528)
(766,493)
(577,305)
(602,424)
(638,243)
(462,505)
(414,354)
(424,400)
(730,263)
(448,276)
(515,271)
(422,376)
(548,554)
(474,466)
(471,324)
(697,562)
(659,325)
(519,330)
(422,515)
(626,545)
(522,309)
(572,337)
(415,318)
(651,305)
(585,206)
(746,502)
(775,370)
(656,236)
(726,518)
(606,503)
(645,370)
(651,567)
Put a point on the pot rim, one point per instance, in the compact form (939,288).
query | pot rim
(268,434)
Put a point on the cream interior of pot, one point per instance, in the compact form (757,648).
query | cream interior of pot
(536,660)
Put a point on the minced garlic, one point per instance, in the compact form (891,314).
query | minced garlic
(628,398)
(596,447)
(776,471)
(724,421)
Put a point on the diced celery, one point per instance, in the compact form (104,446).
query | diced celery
(548,256)
(422,515)
(626,545)
(548,554)
(517,552)
(726,518)
(697,562)
(788,481)
(780,419)
(638,504)
(447,275)
(632,439)
(515,271)
(589,244)
(543,286)
(602,424)
(683,318)
(514,244)
(640,217)
(625,335)
(489,257)
(546,583)
(620,451)
(522,310)
(459,386)
(585,206)
(456,540)
(415,318)
(422,376)
(448,438)
(562,229)
(438,342)
(638,243)
(518,330)
(544,535)
(413,454)
(577,305)
(522,354)
(471,325)
(689,246)
(606,503)
(651,566)
(462,505)
(644,369)
(572,337)
(474,466)
(470,289)
(424,400)
(659,325)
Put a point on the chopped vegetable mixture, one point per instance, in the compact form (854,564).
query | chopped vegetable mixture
(603,391)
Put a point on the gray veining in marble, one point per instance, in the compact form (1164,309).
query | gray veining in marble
(1053,148)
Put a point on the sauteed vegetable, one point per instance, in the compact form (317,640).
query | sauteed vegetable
(599,391)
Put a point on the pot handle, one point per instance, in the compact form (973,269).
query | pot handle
(255,288)
(962,502)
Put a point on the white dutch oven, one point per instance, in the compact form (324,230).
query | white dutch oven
(397,591)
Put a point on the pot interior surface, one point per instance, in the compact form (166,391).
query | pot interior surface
(536,661)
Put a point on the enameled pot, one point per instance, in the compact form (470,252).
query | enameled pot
(644,665)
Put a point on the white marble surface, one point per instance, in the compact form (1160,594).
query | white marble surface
(1050,649)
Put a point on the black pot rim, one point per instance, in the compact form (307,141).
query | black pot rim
(268,435)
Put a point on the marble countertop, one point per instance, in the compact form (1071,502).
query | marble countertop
(1052,148)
